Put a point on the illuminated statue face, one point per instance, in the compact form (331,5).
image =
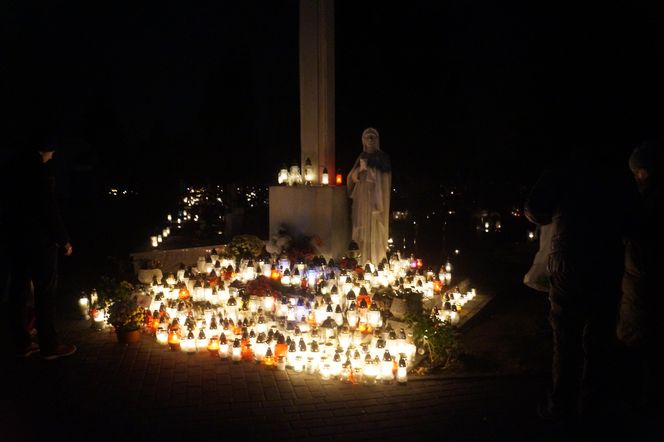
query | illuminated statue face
(370,141)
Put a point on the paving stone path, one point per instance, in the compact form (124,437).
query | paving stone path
(109,391)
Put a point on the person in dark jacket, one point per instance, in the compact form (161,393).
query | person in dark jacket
(36,236)
(642,303)
(588,202)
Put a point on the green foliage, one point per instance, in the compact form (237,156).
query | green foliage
(110,290)
(413,301)
(438,339)
(124,313)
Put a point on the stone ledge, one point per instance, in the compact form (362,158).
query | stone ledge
(170,259)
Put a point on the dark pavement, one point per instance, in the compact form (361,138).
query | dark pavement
(108,391)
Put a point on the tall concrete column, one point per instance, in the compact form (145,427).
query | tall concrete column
(316,51)
(320,211)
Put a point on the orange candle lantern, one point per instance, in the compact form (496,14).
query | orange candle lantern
(183,294)
(213,346)
(228,273)
(339,178)
(274,273)
(245,337)
(281,348)
(269,358)
(247,353)
(174,339)
(155,323)
(311,319)
(363,296)
(212,278)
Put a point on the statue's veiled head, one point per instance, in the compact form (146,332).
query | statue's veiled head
(370,140)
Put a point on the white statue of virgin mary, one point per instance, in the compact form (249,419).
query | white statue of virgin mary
(369,183)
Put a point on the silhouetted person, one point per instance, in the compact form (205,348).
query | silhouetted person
(640,327)
(36,236)
(588,200)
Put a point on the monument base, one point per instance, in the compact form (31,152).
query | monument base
(170,259)
(313,210)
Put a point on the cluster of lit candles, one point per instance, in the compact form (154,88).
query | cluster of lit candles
(292,176)
(155,240)
(183,217)
(348,355)
(327,323)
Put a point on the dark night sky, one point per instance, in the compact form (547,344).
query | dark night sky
(494,89)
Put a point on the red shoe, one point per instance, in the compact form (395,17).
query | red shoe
(60,351)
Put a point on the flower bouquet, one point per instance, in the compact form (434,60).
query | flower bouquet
(244,246)
(262,287)
(126,315)
(303,248)
(348,263)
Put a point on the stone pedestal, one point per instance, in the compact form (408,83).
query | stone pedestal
(315,210)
